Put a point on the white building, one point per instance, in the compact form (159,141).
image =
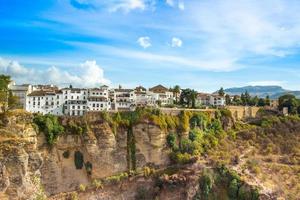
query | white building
(161,95)
(204,99)
(144,97)
(98,99)
(68,101)
(123,99)
(45,102)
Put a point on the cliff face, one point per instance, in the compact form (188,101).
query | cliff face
(28,155)
(20,160)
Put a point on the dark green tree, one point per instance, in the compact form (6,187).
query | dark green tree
(176,92)
(261,102)
(268,101)
(290,102)
(227,99)
(221,92)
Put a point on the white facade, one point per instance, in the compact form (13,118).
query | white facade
(216,100)
(124,99)
(98,99)
(68,101)
(161,95)
(45,102)
(204,99)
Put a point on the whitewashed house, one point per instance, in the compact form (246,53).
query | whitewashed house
(45,102)
(217,100)
(98,99)
(161,95)
(204,99)
(123,99)
(75,101)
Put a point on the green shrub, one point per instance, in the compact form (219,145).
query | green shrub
(233,189)
(181,158)
(97,184)
(206,183)
(82,187)
(172,140)
(74,196)
(116,178)
(78,160)
(50,126)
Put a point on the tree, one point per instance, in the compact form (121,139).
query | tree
(4,91)
(176,91)
(261,102)
(221,92)
(253,101)
(290,102)
(227,99)
(268,101)
(188,97)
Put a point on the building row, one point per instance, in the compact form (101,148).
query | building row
(49,99)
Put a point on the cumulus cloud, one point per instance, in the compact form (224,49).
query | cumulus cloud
(176,42)
(89,74)
(144,42)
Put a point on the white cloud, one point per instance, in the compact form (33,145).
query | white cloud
(170,2)
(89,74)
(144,42)
(266,83)
(129,5)
(176,42)
(181,5)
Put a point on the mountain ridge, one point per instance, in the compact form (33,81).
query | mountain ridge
(273,91)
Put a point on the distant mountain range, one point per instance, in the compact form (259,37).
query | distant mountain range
(262,91)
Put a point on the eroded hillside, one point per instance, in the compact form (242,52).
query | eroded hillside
(148,155)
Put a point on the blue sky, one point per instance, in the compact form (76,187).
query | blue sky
(202,44)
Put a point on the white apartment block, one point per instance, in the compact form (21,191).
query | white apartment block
(161,95)
(45,102)
(123,99)
(204,99)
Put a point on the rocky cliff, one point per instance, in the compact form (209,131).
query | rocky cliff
(117,157)
(26,155)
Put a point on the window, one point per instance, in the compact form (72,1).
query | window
(73,107)
(77,97)
(101,105)
(72,97)
(78,107)
(66,97)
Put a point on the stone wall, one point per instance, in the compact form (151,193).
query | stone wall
(243,112)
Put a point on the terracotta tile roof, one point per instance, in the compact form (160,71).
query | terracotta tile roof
(44,93)
(159,89)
